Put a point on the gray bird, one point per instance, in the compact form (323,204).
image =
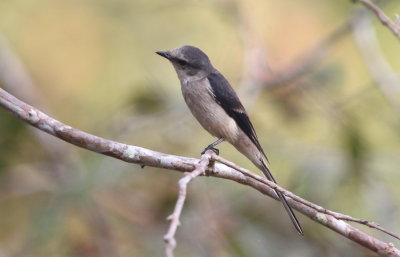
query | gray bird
(216,106)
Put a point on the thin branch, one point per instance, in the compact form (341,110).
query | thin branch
(338,216)
(124,152)
(370,224)
(169,238)
(394,27)
(146,157)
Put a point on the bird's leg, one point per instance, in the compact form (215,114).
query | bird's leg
(211,146)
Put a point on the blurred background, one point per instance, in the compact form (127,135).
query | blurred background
(320,80)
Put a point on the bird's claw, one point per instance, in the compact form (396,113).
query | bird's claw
(215,150)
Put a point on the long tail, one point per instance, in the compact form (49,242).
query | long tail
(288,209)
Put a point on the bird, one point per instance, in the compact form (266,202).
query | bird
(218,109)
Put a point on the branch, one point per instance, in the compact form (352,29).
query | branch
(394,27)
(314,206)
(169,238)
(146,157)
(124,152)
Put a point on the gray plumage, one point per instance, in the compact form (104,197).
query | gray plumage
(216,106)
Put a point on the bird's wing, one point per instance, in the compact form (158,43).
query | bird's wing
(227,98)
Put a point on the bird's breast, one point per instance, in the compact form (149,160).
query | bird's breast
(207,111)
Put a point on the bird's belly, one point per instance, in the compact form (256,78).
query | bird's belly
(209,113)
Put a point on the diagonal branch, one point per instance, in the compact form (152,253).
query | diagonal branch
(146,157)
(169,238)
(336,215)
(394,27)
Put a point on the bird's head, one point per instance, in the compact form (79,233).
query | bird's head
(189,62)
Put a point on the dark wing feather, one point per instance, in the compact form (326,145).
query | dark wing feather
(227,98)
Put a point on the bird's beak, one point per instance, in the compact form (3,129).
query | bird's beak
(165,54)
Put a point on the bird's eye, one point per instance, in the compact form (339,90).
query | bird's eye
(182,62)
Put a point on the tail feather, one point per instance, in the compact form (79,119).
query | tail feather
(282,198)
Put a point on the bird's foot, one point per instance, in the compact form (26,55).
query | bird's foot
(215,150)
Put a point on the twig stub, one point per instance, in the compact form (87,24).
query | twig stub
(169,238)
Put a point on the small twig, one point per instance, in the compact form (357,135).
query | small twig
(394,27)
(367,223)
(294,197)
(169,238)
